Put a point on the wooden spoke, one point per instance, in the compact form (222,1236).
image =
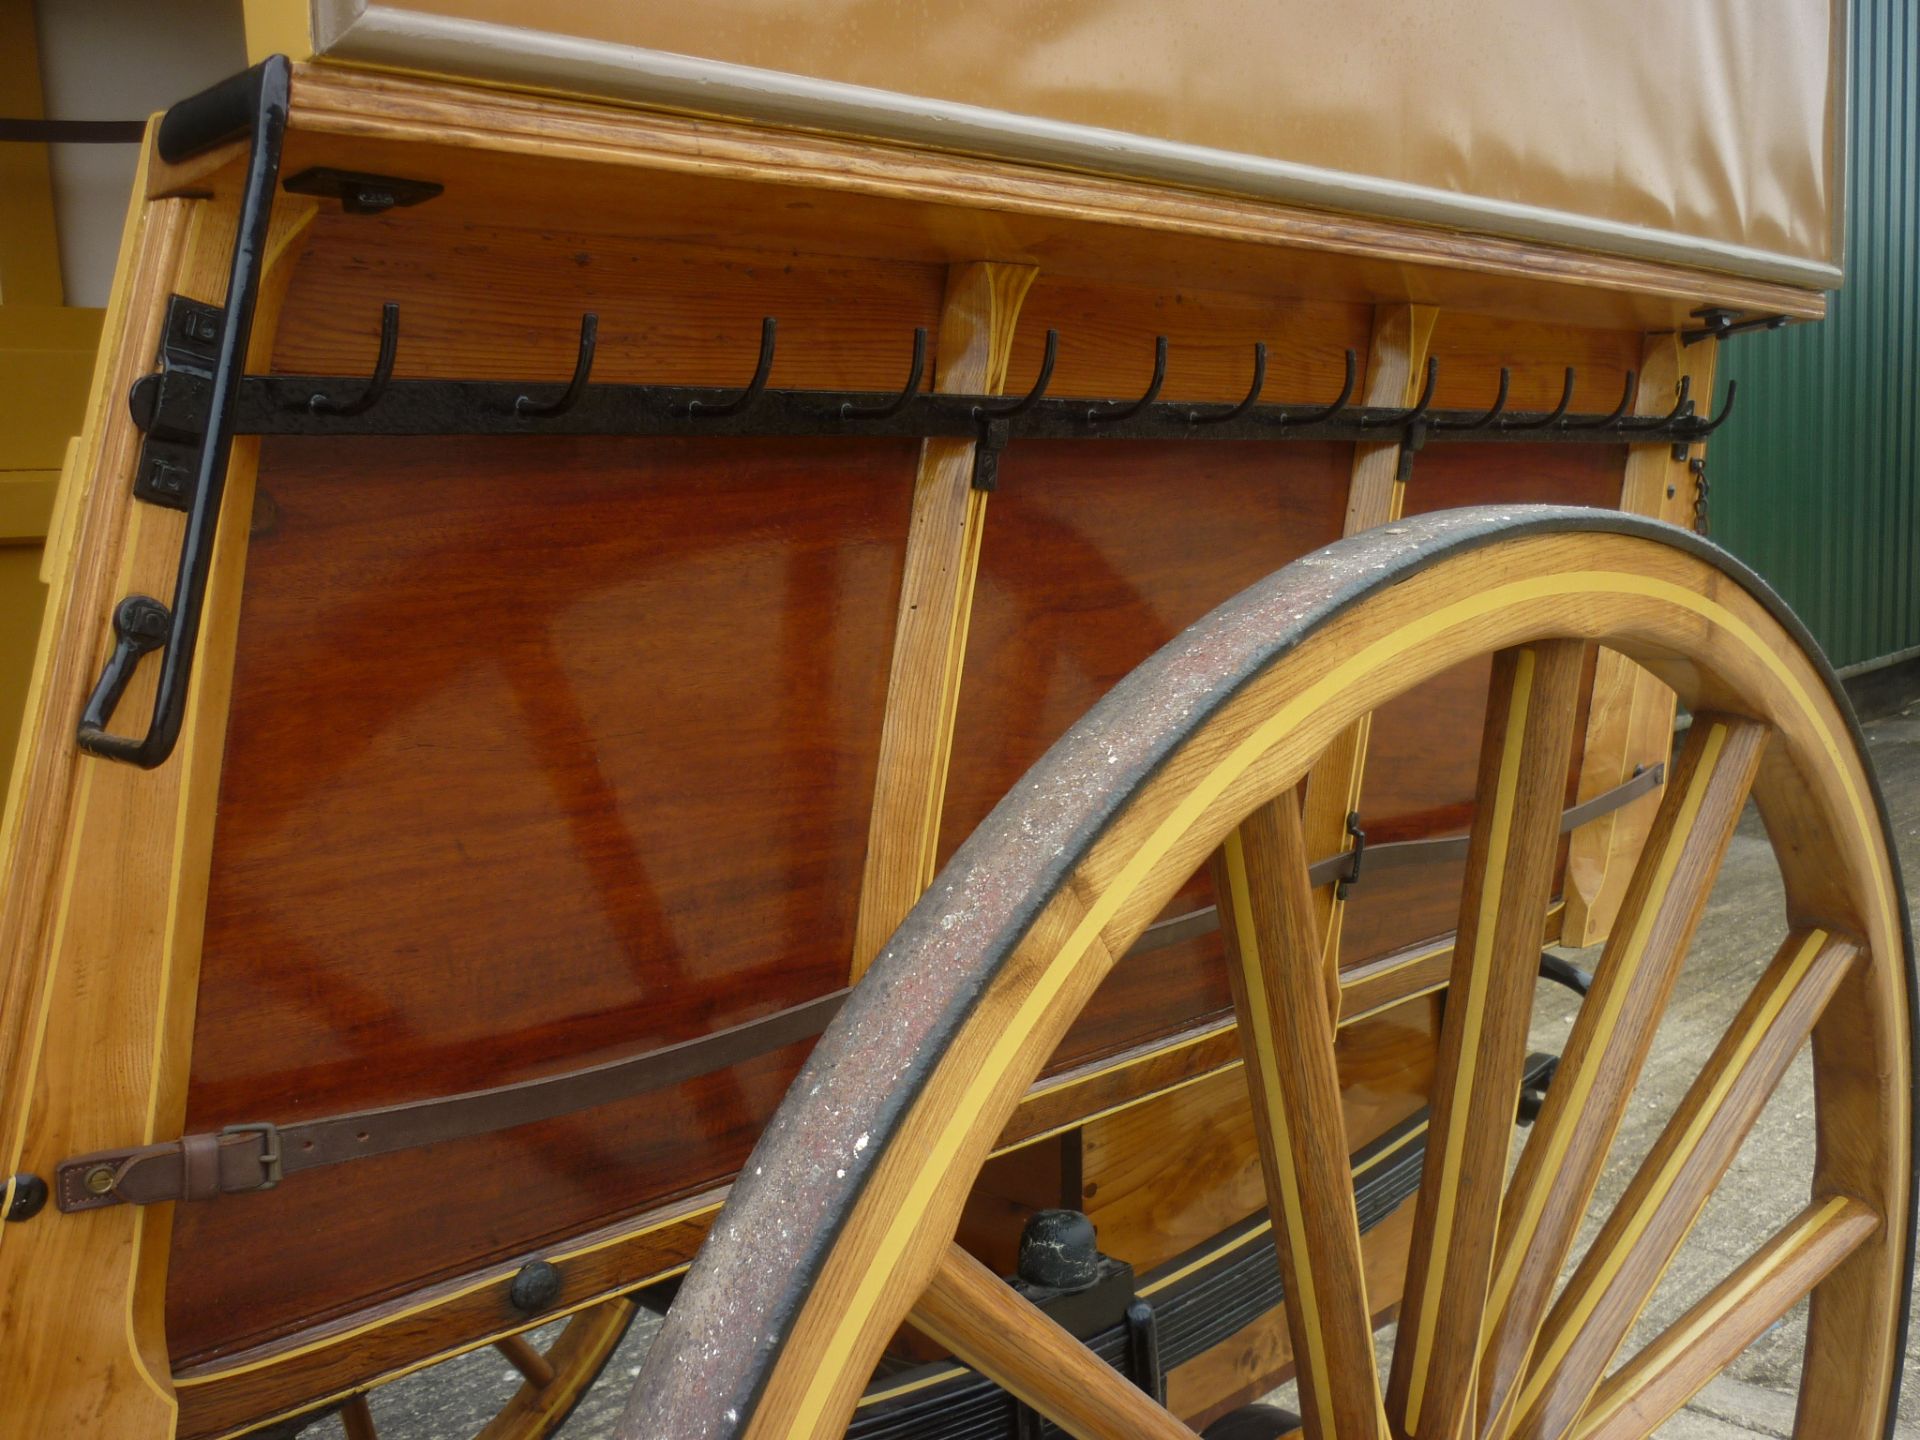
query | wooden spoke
(1610,1041)
(978,1316)
(1267,912)
(356,1420)
(1523,775)
(572,1363)
(1670,1371)
(1618,1274)
(531,1364)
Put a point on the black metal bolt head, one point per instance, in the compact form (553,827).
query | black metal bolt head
(535,1288)
(28,1194)
(1058,1250)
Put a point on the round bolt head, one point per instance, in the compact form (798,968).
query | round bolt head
(535,1288)
(99,1180)
(1057,1250)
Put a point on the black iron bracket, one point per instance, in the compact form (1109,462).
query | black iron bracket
(191,426)
(1717,323)
(1355,857)
(360,193)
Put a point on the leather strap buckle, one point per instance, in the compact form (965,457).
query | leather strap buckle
(269,1134)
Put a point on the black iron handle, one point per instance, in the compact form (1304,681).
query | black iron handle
(257,102)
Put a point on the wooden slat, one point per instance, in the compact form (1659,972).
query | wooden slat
(979,1317)
(104,869)
(1523,767)
(1611,1039)
(1630,722)
(1671,1371)
(1626,1260)
(1288,1029)
(936,597)
(1396,367)
(356,1420)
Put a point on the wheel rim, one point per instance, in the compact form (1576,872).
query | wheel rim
(840,1226)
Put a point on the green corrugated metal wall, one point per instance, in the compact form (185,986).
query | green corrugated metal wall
(1814,478)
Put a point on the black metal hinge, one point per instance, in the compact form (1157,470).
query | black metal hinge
(170,406)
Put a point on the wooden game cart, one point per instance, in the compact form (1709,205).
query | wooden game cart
(684,675)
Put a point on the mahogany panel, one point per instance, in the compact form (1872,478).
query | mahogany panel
(541,752)
(1095,555)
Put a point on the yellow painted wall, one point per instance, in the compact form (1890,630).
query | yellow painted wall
(46,361)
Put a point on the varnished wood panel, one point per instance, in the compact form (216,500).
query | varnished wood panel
(1173,1172)
(1097,555)
(541,752)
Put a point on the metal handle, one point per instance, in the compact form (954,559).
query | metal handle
(207,119)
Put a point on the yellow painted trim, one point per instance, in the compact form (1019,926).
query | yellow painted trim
(1474,1003)
(938,1156)
(1589,1300)
(1680,1339)
(557,1257)
(1628,962)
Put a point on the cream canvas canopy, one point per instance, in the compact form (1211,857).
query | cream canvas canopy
(1707,132)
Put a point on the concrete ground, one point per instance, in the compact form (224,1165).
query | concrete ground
(1766,1186)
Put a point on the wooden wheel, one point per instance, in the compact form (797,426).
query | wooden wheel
(553,1381)
(841,1225)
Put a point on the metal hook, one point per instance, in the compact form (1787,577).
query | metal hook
(1481,422)
(1097,416)
(1566,399)
(1419,407)
(1033,396)
(1326,412)
(851,411)
(1679,408)
(1194,417)
(1703,427)
(1626,399)
(577,386)
(382,371)
(746,397)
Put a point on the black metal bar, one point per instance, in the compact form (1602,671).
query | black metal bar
(279,405)
(1682,401)
(850,411)
(382,371)
(1706,427)
(1609,420)
(710,410)
(1493,414)
(1417,411)
(1718,324)
(527,407)
(1552,416)
(1325,412)
(1109,412)
(1196,417)
(254,103)
(984,409)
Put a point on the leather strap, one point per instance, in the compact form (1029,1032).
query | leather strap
(255,1157)
(242,1158)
